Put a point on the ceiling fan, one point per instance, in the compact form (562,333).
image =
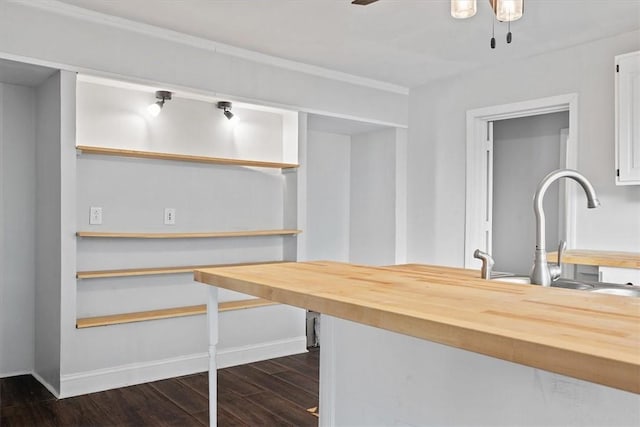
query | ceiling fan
(504,10)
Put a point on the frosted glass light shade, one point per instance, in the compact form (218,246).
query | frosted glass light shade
(509,10)
(461,9)
(154,109)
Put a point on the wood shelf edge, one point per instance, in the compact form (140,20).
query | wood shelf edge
(213,234)
(100,274)
(168,313)
(119,152)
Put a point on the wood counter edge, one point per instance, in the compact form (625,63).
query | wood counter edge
(620,374)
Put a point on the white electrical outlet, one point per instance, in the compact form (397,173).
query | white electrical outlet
(169,216)
(95,216)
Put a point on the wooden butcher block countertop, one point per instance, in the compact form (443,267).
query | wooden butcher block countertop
(599,258)
(584,335)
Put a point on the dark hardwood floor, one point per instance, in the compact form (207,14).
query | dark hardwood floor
(278,392)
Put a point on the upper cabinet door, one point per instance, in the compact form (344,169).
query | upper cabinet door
(628,119)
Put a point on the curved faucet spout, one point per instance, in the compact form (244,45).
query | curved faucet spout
(540,273)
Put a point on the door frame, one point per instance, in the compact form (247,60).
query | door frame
(478,219)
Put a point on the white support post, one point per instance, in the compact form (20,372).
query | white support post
(212,320)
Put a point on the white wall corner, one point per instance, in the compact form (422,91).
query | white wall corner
(401,196)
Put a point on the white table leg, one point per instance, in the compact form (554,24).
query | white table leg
(212,319)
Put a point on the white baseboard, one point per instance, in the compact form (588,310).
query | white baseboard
(254,353)
(138,373)
(14,374)
(130,374)
(48,386)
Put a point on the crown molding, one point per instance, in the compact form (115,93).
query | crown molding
(65,9)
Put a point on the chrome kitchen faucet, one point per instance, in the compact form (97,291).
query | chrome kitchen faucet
(541,272)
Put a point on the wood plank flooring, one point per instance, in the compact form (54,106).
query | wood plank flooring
(275,392)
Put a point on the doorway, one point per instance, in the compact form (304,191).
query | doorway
(525,150)
(480,174)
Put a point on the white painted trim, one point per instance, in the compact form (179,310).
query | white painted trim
(130,374)
(477,120)
(92,75)
(212,330)
(143,372)
(2,238)
(65,9)
(263,351)
(328,356)
(46,384)
(569,159)
(15,373)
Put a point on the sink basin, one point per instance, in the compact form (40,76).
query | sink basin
(597,287)
(622,291)
(560,283)
(520,280)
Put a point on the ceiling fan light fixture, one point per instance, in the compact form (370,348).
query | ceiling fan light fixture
(462,9)
(508,10)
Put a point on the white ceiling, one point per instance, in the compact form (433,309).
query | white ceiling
(404,42)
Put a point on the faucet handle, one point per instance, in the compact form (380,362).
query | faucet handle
(556,270)
(487,263)
(562,246)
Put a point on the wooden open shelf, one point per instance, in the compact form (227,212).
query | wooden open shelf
(167,313)
(182,157)
(99,274)
(245,233)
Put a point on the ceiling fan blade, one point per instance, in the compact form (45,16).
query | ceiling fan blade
(363,2)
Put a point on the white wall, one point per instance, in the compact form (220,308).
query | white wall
(356,197)
(48,261)
(133,194)
(381,378)
(116,117)
(17,197)
(83,41)
(373,198)
(436,166)
(329,190)
(525,150)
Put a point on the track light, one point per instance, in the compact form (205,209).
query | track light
(161,96)
(226,106)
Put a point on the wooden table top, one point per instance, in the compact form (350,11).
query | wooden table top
(600,258)
(593,337)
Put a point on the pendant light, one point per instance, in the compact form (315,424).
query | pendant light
(461,9)
(508,10)
(503,11)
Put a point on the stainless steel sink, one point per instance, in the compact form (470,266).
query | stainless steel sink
(626,291)
(597,287)
(560,283)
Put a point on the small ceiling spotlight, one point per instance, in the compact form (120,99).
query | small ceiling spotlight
(226,106)
(161,96)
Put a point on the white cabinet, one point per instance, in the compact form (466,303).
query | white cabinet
(628,119)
